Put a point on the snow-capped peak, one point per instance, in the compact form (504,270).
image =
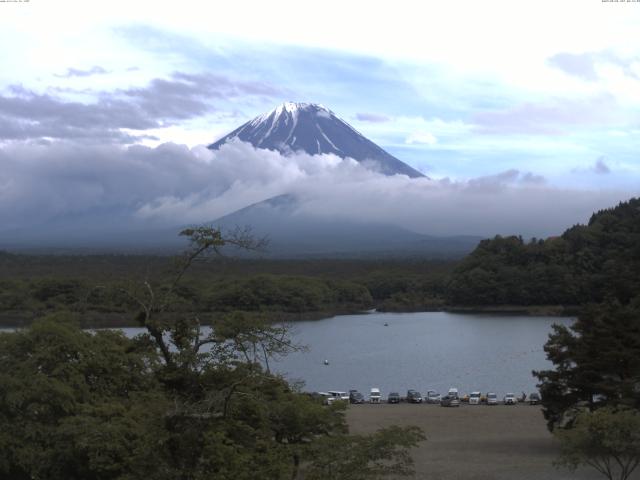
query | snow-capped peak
(295,107)
(314,129)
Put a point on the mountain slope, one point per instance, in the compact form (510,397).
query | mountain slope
(293,233)
(315,129)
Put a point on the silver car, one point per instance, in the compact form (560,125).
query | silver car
(450,401)
(432,397)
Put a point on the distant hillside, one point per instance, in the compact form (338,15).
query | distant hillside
(293,233)
(586,264)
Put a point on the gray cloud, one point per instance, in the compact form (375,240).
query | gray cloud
(74,72)
(580,65)
(372,117)
(27,115)
(173,185)
(600,167)
(584,65)
(549,118)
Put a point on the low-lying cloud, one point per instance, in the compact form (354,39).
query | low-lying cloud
(172,185)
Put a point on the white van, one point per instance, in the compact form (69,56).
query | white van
(374,396)
(474,398)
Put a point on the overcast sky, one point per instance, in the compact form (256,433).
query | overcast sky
(463,91)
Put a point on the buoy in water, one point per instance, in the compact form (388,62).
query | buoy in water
(326,362)
(386,324)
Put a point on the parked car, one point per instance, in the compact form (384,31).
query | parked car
(510,399)
(339,395)
(327,398)
(534,398)
(453,392)
(413,396)
(394,397)
(374,395)
(474,398)
(450,401)
(356,397)
(492,398)
(432,397)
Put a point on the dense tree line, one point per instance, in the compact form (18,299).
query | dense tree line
(33,286)
(587,263)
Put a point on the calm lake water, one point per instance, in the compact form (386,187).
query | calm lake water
(423,351)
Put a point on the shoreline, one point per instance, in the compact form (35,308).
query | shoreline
(126,320)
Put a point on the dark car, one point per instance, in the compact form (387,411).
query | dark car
(355,397)
(450,401)
(534,398)
(394,397)
(413,396)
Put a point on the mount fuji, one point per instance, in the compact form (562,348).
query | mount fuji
(314,129)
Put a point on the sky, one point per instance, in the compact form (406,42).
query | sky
(104,107)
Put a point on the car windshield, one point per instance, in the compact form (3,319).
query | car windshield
(475,394)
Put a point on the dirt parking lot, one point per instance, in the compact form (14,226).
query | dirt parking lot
(474,442)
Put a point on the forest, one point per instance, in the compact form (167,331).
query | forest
(587,263)
(94,286)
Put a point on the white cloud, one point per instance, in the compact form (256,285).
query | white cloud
(173,185)
(425,138)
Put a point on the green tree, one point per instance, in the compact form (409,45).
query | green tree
(596,362)
(607,440)
(359,457)
(181,401)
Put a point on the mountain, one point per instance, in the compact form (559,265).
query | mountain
(293,233)
(314,129)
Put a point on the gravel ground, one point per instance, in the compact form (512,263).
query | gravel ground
(474,442)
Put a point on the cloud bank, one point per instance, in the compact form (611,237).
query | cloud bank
(172,185)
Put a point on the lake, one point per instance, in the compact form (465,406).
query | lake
(423,351)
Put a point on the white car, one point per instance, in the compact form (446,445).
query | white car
(327,398)
(374,396)
(339,395)
(492,398)
(474,398)
(510,399)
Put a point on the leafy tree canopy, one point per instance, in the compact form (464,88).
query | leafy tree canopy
(586,264)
